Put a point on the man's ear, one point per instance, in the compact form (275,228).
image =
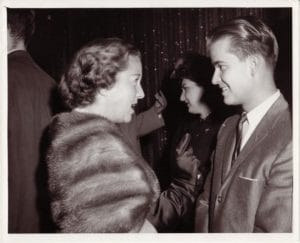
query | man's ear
(254,62)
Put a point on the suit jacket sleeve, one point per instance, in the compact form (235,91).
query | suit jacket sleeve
(148,121)
(275,207)
(202,207)
(202,203)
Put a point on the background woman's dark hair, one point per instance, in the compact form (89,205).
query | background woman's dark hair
(94,67)
(198,68)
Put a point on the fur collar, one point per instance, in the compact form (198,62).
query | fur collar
(98,183)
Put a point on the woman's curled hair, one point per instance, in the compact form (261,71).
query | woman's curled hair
(94,67)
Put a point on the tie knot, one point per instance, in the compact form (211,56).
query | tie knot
(239,134)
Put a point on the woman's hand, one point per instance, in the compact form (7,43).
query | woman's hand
(160,102)
(183,144)
(188,163)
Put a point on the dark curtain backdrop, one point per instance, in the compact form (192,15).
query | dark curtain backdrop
(162,35)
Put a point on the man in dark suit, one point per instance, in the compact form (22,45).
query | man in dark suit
(250,185)
(29,90)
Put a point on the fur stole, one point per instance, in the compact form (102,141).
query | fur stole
(97,182)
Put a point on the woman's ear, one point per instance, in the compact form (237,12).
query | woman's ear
(103,92)
(101,95)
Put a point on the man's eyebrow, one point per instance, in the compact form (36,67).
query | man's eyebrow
(219,63)
(216,63)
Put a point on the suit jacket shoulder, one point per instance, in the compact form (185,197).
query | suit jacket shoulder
(263,170)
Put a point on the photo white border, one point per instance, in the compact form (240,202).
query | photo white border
(80,238)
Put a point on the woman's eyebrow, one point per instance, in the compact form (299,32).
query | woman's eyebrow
(136,74)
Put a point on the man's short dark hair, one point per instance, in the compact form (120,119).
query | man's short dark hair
(249,35)
(21,24)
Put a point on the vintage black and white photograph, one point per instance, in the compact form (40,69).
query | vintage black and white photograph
(150,119)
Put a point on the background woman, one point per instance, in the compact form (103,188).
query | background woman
(97,182)
(205,102)
(174,211)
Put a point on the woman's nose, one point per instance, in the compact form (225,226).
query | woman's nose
(140,92)
(182,98)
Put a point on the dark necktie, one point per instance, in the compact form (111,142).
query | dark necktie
(239,134)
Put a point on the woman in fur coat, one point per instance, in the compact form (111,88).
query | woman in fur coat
(96,180)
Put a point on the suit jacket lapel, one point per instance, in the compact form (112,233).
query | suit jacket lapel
(261,131)
(227,157)
(229,143)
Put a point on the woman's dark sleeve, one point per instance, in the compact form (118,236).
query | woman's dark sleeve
(173,205)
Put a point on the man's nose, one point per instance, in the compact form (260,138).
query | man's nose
(216,77)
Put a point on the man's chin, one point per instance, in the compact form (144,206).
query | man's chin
(228,101)
(127,119)
(191,111)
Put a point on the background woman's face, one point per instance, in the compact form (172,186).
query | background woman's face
(127,90)
(191,94)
